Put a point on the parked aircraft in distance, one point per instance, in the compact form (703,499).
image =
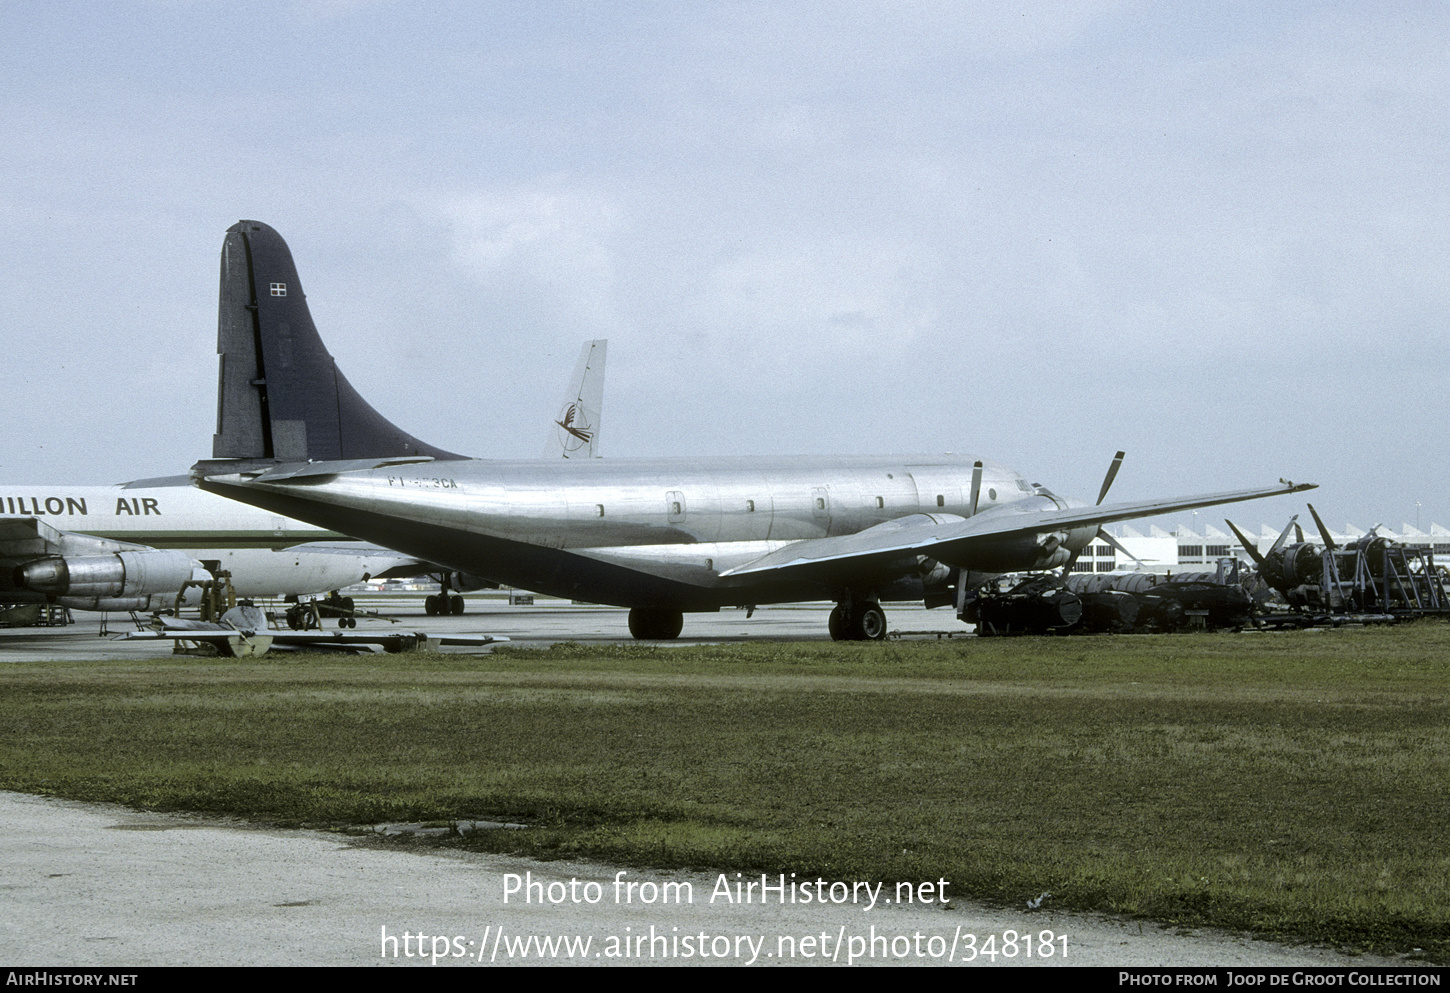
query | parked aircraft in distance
(577,426)
(662,537)
(133,545)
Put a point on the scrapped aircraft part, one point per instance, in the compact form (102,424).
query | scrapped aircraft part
(1128,582)
(309,615)
(1037,605)
(1184,606)
(1370,576)
(656,623)
(243,633)
(1109,612)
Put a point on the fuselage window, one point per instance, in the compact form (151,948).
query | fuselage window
(750,506)
(820,503)
(880,503)
(941,501)
(599,510)
(992,494)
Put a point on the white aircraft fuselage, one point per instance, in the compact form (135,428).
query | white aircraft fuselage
(266,554)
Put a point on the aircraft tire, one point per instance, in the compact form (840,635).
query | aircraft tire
(455,605)
(868,623)
(430,605)
(835,625)
(655,623)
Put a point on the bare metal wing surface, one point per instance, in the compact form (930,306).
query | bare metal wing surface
(660,536)
(954,540)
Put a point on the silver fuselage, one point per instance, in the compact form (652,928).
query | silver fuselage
(646,532)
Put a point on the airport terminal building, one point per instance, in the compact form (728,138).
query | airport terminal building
(1189,548)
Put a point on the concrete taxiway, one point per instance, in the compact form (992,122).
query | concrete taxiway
(542,623)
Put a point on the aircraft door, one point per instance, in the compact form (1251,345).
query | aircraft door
(821,508)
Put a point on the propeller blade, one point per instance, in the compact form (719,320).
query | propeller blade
(1249,546)
(1323,531)
(1298,534)
(1284,537)
(1103,534)
(1112,474)
(976,487)
(1071,561)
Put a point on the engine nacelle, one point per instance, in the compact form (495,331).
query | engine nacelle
(117,575)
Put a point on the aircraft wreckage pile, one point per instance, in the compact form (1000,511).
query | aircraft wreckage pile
(1373,580)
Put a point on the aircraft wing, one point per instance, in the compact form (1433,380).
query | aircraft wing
(953,539)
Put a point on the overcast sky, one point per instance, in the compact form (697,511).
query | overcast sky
(1213,235)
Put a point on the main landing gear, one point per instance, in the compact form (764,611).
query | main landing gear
(443,604)
(446,602)
(863,620)
(655,623)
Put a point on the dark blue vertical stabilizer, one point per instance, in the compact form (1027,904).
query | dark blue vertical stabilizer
(281,395)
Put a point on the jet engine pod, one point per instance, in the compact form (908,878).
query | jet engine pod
(118,574)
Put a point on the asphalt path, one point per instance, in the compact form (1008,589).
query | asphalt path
(100,885)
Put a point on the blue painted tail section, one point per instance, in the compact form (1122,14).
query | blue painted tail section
(281,395)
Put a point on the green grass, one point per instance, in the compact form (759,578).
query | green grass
(1292,785)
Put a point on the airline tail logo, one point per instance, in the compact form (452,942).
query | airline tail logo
(577,431)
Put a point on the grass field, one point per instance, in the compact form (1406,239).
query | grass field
(1290,785)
